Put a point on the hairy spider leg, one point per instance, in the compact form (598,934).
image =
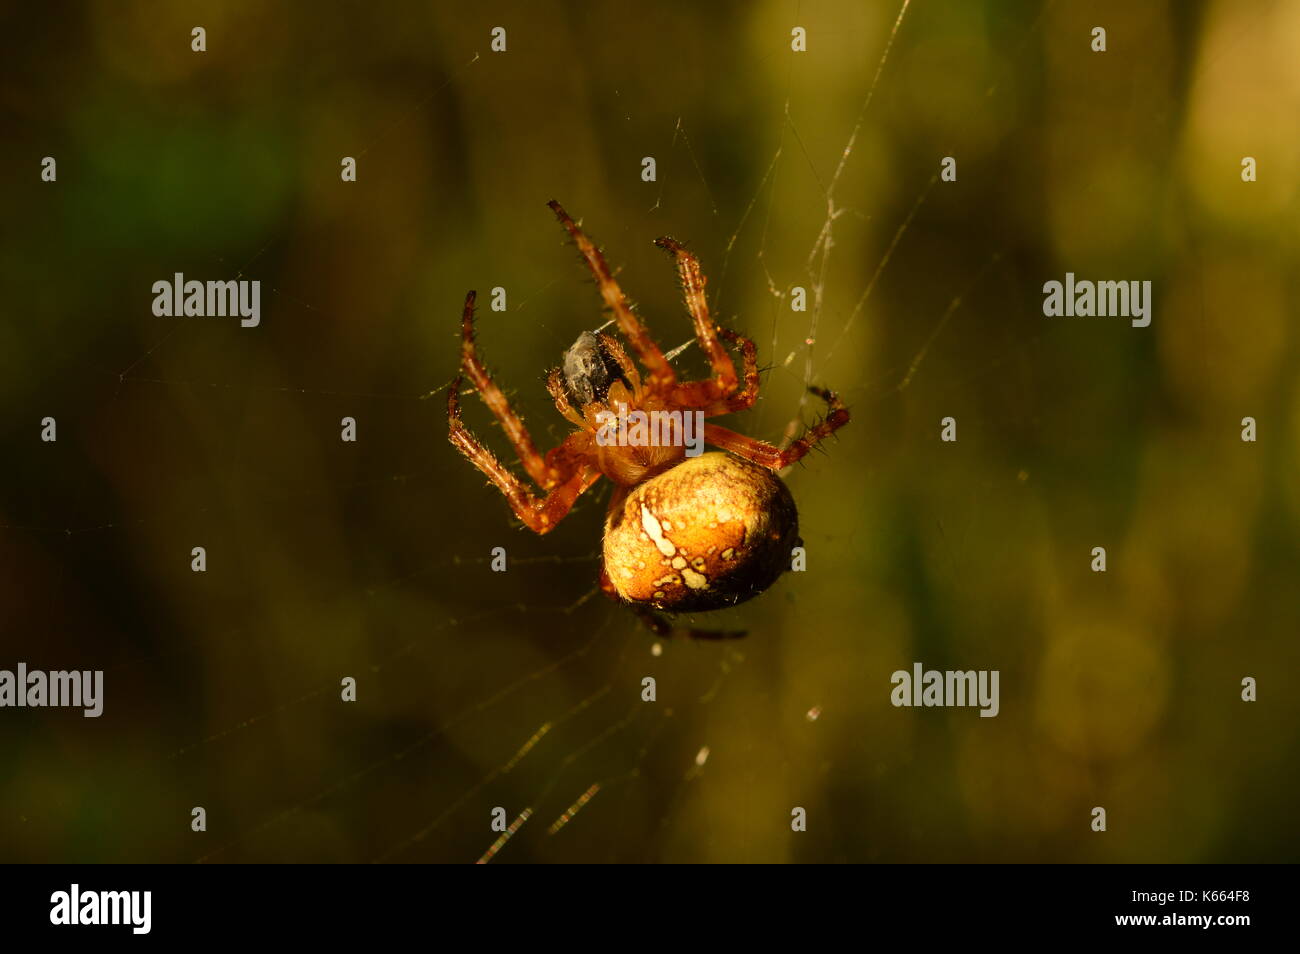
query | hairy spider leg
(540,515)
(660,371)
(560,395)
(624,363)
(702,395)
(719,394)
(743,399)
(773,457)
(537,466)
(724,380)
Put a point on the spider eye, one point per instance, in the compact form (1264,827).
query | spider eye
(589,370)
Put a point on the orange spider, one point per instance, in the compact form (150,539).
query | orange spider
(683,532)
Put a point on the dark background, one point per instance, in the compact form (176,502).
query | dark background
(371,559)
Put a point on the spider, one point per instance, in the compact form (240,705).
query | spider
(683,533)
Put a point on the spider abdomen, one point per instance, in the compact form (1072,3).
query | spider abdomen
(711,532)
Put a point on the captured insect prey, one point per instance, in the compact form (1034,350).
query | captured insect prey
(686,531)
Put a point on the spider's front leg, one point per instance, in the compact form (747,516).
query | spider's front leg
(720,394)
(562,472)
(539,514)
(706,332)
(660,371)
(743,399)
(777,458)
(511,423)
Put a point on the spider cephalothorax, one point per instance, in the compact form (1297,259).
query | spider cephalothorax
(685,530)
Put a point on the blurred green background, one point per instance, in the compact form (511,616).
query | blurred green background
(371,559)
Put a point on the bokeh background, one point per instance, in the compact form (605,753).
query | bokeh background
(522,689)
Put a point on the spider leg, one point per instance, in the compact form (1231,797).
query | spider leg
(497,403)
(777,458)
(661,372)
(744,399)
(555,385)
(704,394)
(539,514)
(719,394)
(624,363)
(724,380)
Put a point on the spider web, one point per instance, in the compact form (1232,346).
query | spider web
(518,692)
(554,734)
